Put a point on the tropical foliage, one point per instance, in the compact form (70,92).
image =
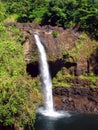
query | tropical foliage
(19,94)
(78,14)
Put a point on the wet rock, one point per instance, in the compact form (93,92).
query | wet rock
(84,100)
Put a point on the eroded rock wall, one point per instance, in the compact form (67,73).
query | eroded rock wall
(63,41)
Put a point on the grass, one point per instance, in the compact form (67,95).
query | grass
(84,47)
(92,77)
(61,79)
(11,18)
(68,80)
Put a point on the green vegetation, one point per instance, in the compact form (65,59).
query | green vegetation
(74,13)
(68,80)
(61,80)
(54,33)
(78,14)
(31,10)
(84,47)
(65,54)
(17,90)
(19,93)
(92,78)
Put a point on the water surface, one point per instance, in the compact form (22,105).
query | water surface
(75,122)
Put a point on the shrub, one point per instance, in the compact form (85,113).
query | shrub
(65,54)
(54,33)
(19,95)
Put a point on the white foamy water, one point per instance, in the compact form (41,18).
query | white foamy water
(45,75)
(48,109)
(54,114)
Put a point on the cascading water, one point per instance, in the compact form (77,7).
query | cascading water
(45,75)
(48,109)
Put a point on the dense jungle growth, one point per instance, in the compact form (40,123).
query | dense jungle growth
(16,87)
(80,14)
(19,92)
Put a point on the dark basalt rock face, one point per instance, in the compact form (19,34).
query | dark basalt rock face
(65,41)
(84,100)
(75,99)
(53,45)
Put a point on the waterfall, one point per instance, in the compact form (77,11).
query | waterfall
(45,75)
(48,109)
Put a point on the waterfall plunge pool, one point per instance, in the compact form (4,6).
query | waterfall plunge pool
(75,122)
